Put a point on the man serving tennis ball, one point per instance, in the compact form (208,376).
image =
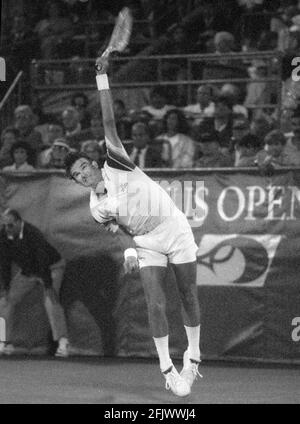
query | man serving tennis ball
(123,195)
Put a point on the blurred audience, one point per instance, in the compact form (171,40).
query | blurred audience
(9,137)
(246,150)
(80,101)
(24,122)
(158,103)
(204,106)
(210,154)
(95,151)
(55,31)
(273,154)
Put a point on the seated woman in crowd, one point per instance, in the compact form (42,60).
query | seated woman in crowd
(9,136)
(20,153)
(182,146)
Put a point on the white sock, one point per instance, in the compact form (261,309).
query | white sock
(63,341)
(193,336)
(162,347)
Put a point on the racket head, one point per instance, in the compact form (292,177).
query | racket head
(122,31)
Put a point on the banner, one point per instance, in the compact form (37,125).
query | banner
(247,228)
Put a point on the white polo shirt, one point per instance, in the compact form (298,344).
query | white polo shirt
(132,199)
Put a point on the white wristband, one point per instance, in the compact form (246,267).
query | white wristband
(102,82)
(130,252)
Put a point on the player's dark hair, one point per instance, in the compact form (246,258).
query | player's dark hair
(71,158)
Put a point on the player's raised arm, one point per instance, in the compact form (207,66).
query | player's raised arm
(111,136)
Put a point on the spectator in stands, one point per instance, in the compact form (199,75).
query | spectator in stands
(20,152)
(273,154)
(261,126)
(120,111)
(158,103)
(223,120)
(176,133)
(224,43)
(292,145)
(23,44)
(204,106)
(80,101)
(246,150)
(293,154)
(240,128)
(209,22)
(71,121)
(38,263)
(210,154)
(57,154)
(94,132)
(95,151)
(24,123)
(232,92)
(54,31)
(258,93)
(55,130)
(9,136)
(145,152)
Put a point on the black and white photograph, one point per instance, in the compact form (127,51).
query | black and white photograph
(150,205)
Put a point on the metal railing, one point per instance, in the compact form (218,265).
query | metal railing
(10,101)
(148,71)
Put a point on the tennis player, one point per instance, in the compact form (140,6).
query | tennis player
(123,195)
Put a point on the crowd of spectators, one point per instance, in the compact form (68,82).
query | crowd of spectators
(214,137)
(227,124)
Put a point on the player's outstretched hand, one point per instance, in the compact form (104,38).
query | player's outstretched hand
(101,65)
(131,265)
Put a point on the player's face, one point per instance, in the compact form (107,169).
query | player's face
(86,173)
(12,226)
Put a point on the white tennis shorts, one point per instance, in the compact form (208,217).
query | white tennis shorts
(171,241)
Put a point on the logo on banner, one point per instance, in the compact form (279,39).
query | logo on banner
(235,260)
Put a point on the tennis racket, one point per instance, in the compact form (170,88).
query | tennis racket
(121,33)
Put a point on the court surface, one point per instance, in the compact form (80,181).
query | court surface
(131,381)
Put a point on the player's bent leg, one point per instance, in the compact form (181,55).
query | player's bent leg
(153,279)
(186,281)
(185,274)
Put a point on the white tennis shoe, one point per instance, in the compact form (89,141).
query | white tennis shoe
(176,383)
(190,369)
